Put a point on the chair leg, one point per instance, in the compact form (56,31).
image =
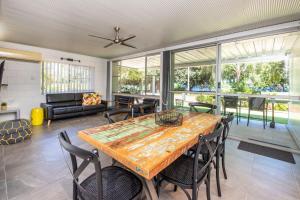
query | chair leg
(237,116)
(264,119)
(158,184)
(208,185)
(223,164)
(175,188)
(248,117)
(194,193)
(218,173)
(75,191)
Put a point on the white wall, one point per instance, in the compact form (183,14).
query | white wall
(24,81)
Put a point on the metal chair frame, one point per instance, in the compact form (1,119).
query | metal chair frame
(211,107)
(261,106)
(206,169)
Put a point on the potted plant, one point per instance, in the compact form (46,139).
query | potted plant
(3,106)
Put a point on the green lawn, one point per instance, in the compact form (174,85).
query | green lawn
(280,120)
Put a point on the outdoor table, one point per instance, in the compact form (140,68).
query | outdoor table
(146,148)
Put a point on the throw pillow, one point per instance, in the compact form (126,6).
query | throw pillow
(91,99)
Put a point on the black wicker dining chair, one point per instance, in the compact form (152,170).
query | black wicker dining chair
(190,172)
(110,183)
(211,107)
(258,104)
(126,112)
(232,102)
(227,122)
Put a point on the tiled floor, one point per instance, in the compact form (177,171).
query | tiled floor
(278,136)
(36,170)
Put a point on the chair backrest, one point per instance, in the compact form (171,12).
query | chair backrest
(154,104)
(87,157)
(257,103)
(211,107)
(206,140)
(227,122)
(150,101)
(124,101)
(108,115)
(231,101)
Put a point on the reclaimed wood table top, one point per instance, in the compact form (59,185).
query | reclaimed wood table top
(145,147)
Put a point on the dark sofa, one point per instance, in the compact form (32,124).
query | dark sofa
(65,105)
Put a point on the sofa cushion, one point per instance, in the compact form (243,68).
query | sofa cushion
(53,98)
(91,99)
(64,104)
(94,107)
(70,109)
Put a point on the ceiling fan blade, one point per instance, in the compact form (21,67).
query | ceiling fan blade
(128,45)
(129,38)
(108,45)
(101,37)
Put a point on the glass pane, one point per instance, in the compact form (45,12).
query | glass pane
(257,66)
(202,78)
(61,77)
(153,75)
(131,75)
(180,79)
(194,70)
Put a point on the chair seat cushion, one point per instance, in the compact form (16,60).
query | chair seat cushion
(118,184)
(94,107)
(181,170)
(69,109)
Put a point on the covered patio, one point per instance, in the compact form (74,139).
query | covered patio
(263,67)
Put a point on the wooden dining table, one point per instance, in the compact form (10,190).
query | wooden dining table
(146,148)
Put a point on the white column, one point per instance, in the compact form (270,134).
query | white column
(218,78)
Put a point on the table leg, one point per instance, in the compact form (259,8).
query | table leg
(272,124)
(150,189)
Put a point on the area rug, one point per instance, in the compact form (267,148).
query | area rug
(267,151)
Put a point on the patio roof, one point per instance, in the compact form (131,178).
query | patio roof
(273,47)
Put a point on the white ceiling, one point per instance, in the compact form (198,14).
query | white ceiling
(65,24)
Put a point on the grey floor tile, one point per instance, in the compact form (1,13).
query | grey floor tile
(36,168)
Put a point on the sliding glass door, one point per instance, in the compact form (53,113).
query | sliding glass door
(264,67)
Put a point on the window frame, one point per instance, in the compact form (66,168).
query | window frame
(72,70)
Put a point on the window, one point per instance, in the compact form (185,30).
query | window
(137,76)
(193,76)
(61,77)
(194,70)
(257,66)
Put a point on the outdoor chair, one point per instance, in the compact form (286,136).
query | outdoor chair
(111,183)
(211,107)
(190,172)
(258,104)
(232,102)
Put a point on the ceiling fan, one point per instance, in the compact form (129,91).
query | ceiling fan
(117,39)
